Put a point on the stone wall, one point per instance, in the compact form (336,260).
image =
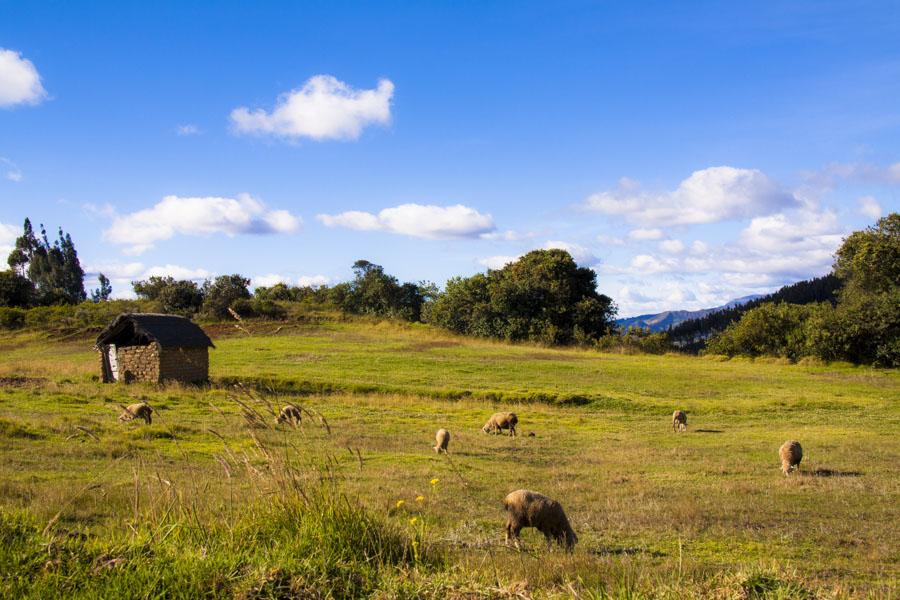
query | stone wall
(138,363)
(190,365)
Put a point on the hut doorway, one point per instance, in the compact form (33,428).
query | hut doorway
(113,361)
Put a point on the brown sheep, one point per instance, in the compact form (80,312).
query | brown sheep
(791,454)
(289,414)
(679,420)
(500,421)
(442,439)
(141,410)
(530,509)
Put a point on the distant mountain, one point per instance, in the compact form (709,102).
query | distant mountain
(662,321)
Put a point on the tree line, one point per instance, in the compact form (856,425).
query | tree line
(851,314)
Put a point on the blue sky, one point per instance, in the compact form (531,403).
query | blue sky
(688,152)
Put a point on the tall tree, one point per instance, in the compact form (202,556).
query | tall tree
(102,293)
(54,269)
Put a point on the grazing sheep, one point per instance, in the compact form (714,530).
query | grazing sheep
(530,509)
(289,414)
(442,439)
(141,410)
(791,454)
(679,420)
(500,421)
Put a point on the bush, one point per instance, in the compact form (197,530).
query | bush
(221,293)
(12,318)
(259,309)
(771,329)
(635,340)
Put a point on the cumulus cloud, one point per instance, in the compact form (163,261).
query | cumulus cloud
(707,196)
(312,281)
(642,234)
(672,246)
(610,240)
(769,252)
(506,236)
(173,215)
(324,108)
(8,235)
(869,207)
(497,262)
(12,172)
(417,220)
(268,280)
(581,255)
(20,82)
(122,274)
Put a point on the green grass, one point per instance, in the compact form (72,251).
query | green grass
(202,504)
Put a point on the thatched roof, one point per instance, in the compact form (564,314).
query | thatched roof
(170,331)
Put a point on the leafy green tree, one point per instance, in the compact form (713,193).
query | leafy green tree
(771,329)
(102,293)
(544,296)
(374,292)
(54,269)
(865,326)
(15,290)
(220,294)
(869,261)
(180,297)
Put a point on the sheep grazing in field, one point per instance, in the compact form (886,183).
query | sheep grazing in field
(679,420)
(289,414)
(530,509)
(791,454)
(442,440)
(500,421)
(141,410)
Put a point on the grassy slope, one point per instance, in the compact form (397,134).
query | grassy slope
(646,503)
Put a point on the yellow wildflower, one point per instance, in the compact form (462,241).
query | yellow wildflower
(400,503)
(420,498)
(414,520)
(435,481)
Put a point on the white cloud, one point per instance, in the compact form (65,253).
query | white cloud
(497,262)
(13,173)
(188,129)
(707,196)
(869,207)
(20,82)
(648,265)
(417,220)
(506,236)
(312,280)
(581,255)
(610,240)
(268,280)
(324,108)
(122,274)
(771,251)
(645,234)
(8,235)
(173,215)
(672,246)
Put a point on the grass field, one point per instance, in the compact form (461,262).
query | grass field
(202,503)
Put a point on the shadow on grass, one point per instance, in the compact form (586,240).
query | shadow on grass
(835,473)
(708,431)
(625,551)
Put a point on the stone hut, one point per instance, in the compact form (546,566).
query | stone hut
(152,347)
